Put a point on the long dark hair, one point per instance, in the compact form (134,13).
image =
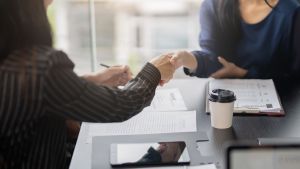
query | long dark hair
(24,24)
(230,21)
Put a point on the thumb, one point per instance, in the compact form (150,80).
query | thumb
(223,61)
(219,74)
(116,70)
(175,61)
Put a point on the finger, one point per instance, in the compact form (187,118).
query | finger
(127,72)
(161,83)
(219,74)
(170,54)
(122,82)
(124,78)
(176,62)
(119,70)
(175,56)
(223,61)
(166,81)
(173,60)
(114,70)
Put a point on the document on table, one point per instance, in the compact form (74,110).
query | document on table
(208,166)
(253,96)
(147,123)
(167,100)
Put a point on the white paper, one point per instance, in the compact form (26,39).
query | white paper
(256,95)
(167,100)
(147,123)
(209,166)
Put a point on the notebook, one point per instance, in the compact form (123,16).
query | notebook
(254,97)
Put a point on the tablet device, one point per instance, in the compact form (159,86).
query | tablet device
(149,154)
(266,157)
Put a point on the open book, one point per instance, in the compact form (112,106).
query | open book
(253,96)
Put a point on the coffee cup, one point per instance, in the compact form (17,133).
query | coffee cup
(221,104)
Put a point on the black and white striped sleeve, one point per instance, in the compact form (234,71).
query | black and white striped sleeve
(69,96)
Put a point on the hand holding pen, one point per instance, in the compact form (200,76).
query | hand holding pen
(113,76)
(116,75)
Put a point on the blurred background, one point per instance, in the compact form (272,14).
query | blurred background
(129,32)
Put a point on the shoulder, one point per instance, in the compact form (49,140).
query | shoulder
(39,57)
(58,58)
(288,7)
(286,13)
(209,9)
(209,5)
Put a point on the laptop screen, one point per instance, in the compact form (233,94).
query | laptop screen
(280,157)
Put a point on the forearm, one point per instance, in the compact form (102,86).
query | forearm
(206,65)
(189,61)
(92,78)
(84,101)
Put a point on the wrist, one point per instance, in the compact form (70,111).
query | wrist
(241,72)
(189,61)
(91,78)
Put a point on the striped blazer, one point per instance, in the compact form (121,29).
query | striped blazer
(39,91)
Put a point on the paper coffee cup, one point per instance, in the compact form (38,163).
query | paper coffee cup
(221,103)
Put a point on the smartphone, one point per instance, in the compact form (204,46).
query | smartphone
(149,154)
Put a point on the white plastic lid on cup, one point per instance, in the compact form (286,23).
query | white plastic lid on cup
(221,108)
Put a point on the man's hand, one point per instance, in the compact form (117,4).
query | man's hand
(184,58)
(166,69)
(229,70)
(113,77)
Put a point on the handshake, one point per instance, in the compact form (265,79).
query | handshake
(166,64)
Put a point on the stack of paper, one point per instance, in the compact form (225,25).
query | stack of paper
(167,114)
(167,100)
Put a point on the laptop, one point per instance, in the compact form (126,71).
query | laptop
(263,157)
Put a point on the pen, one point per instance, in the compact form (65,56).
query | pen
(104,65)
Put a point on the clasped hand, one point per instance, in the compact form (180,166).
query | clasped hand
(166,69)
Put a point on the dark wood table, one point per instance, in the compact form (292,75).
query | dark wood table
(248,128)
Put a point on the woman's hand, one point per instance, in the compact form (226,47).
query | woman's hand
(229,70)
(186,59)
(166,69)
(113,77)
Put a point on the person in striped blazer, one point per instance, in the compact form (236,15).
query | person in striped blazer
(39,90)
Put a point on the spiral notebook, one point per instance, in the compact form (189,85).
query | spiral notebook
(256,97)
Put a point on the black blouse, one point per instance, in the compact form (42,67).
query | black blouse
(39,90)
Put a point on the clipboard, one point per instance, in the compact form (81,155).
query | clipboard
(252,111)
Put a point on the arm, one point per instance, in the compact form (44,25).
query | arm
(209,39)
(71,97)
(296,48)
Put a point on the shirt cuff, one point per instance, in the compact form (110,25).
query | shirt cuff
(251,74)
(151,73)
(200,70)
